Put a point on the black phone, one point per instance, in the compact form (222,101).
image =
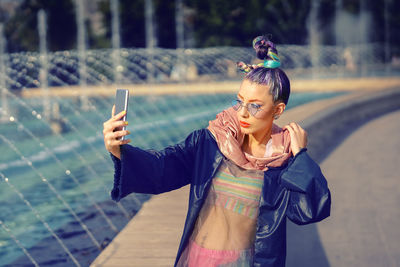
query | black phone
(121,104)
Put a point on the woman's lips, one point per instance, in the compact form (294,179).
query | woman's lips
(244,124)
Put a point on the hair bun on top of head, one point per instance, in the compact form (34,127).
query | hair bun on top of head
(265,50)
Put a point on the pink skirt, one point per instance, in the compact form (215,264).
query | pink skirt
(197,256)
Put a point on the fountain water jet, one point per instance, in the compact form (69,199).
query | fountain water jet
(364,28)
(69,173)
(51,187)
(42,28)
(3,88)
(353,42)
(87,165)
(314,36)
(81,40)
(179,27)
(15,238)
(151,42)
(387,35)
(115,38)
(180,40)
(37,214)
(68,123)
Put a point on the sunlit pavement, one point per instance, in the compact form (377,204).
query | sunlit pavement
(363,175)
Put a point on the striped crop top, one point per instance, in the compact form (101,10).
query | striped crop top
(227,220)
(236,189)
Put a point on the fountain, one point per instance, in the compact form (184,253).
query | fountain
(37,214)
(33,160)
(354,42)
(43,62)
(81,41)
(387,35)
(3,88)
(179,27)
(116,54)
(46,117)
(14,238)
(179,70)
(49,152)
(151,41)
(60,180)
(314,36)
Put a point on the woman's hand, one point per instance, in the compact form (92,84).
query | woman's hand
(298,137)
(112,132)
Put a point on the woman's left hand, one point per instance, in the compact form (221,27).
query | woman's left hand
(298,137)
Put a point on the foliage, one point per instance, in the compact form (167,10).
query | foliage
(207,22)
(132,22)
(21,30)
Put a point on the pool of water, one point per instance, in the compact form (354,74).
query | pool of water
(61,182)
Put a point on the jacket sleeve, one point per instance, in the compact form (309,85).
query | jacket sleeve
(310,198)
(153,172)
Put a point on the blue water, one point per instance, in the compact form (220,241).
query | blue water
(78,153)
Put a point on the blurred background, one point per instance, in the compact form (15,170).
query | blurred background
(61,61)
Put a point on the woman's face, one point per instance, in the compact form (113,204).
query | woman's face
(261,122)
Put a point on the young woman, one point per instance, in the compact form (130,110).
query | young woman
(246,174)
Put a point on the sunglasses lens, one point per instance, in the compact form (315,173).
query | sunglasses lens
(252,110)
(236,104)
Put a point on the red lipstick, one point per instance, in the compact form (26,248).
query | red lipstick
(244,124)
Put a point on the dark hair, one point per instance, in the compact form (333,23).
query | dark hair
(263,46)
(275,78)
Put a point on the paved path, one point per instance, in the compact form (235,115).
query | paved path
(297,85)
(364,177)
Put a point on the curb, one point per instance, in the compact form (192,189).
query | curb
(324,136)
(327,129)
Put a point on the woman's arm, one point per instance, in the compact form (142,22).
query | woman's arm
(146,171)
(310,198)
(153,172)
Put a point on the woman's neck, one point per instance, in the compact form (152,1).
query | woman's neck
(255,144)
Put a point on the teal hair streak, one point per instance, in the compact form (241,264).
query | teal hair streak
(272,64)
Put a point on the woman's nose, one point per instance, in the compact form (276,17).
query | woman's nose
(243,112)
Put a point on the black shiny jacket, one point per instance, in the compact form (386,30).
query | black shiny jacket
(297,190)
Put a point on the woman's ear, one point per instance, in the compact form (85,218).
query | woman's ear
(279,108)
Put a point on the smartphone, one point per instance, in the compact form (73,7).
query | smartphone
(121,104)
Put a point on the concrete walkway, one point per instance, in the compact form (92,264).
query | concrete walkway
(297,85)
(364,178)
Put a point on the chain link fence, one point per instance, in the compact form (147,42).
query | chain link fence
(135,66)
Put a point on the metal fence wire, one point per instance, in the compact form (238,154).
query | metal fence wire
(135,66)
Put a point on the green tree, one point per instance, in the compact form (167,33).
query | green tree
(237,22)
(21,30)
(132,22)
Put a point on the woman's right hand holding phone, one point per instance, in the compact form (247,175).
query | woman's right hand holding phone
(112,132)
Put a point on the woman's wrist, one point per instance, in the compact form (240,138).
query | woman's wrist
(116,153)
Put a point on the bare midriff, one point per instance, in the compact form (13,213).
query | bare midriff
(220,229)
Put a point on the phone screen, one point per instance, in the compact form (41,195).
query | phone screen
(121,103)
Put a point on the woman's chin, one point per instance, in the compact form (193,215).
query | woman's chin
(246,130)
